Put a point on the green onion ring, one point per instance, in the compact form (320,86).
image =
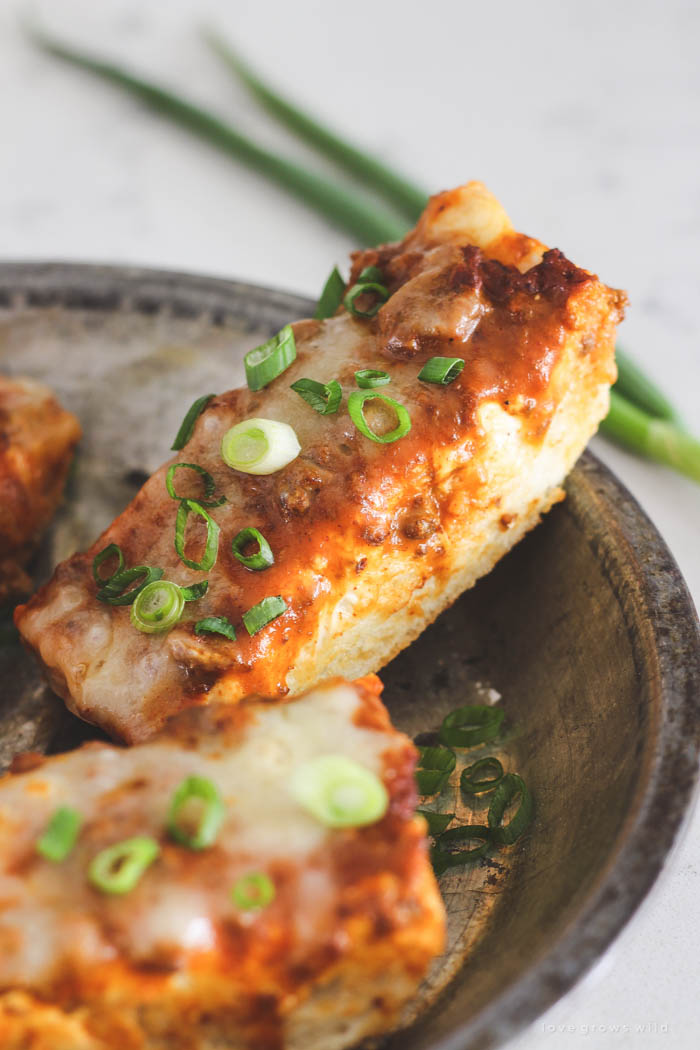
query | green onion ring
(470,782)
(370,273)
(216,625)
(263,557)
(114,592)
(158,607)
(366,288)
(370,378)
(356,405)
(259,446)
(209,820)
(209,484)
(60,835)
(118,868)
(324,398)
(437,822)
(187,426)
(443,859)
(195,591)
(441,370)
(331,296)
(270,359)
(339,792)
(111,551)
(510,787)
(253,891)
(471,725)
(263,613)
(211,548)
(435,764)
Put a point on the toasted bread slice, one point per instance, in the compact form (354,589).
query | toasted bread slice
(336,947)
(371,540)
(37,441)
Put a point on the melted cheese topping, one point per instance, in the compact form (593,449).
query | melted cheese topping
(52,922)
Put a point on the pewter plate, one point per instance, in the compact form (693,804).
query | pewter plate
(585,634)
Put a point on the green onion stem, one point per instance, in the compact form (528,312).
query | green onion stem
(404,195)
(657,439)
(636,387)
(347,210)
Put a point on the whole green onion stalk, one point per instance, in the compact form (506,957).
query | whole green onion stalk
(355,214)
(657,439)
(409,199)
(641,417)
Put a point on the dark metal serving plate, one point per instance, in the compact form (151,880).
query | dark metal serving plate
(585,633)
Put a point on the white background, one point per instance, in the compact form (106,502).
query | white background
(583,118)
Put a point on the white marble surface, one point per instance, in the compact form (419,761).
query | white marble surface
(585,121)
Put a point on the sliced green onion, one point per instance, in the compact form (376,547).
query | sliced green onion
(331,296)
(403,194)
(270,359)
(509,789)
(356,408)
(474,724)
(211,547)
(158,607)
(60,835)
(115,590)
(263,557)
(654,438)
(435,764)
(119,868)
(370,378)
(444,858)
(216,625)
(263,613)
(475,779)
(339,792)
(253,891)
(323,397)
(441,370)
(259,446)
(635,386)
(199,830)
(437,822)
(111,551)
(370,273)
(371,288)
(195,591)
(187,426)
(209,484)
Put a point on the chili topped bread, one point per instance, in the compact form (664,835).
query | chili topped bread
(37,441)
(371,539)
(295,908)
